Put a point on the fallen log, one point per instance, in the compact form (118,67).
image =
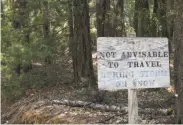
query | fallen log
(107,108)
(90,105)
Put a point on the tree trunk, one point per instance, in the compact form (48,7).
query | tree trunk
(135,25)
(178,60)
(100,17)
(71,31)
(19,9)
(70,26)
(161,13)
(153,28)
(141,18)
(82,58)
(118,26)
(46,28)
(170,22)
(103,18)
(155,7)
(2,10)
(108,25)
(122,18)
(16,22)
(164,26)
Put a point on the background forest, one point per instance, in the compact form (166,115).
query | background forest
(48,51)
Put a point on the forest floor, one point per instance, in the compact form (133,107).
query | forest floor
(39,105)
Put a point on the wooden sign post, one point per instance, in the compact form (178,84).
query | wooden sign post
(132,99)
(132,106)
(132,63)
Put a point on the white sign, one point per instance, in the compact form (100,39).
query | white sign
(128,63)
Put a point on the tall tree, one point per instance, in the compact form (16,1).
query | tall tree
(110,20)
(118,27)
(154,26)
(71,29)
(163,20)
(82,58)
(155,7)
(19,22)
(170,22)
(102,17)
(70,25)
(170,18)
(178,60)
(141,18)
(161,14)
(46,27)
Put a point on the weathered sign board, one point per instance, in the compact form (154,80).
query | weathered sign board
(130,63)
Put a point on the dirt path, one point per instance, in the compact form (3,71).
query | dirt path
(38,107)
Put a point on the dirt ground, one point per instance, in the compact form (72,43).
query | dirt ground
(38,107)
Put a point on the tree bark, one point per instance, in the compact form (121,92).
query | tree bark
(71,32)
(107,23)
(153,28)
(111,108)
(170,22)
(161,13)
(178,60)
(100,17)
(82,58)
(164,26)
(70,26)
(16,26)
(46,28)
(141,18)
(155,7)
(170,18)
(110,21)
(103,18)
(19,21)
(118,26)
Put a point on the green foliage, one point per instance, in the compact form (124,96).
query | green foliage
(10,86)
(169,111)
(18,49)
(129,13)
